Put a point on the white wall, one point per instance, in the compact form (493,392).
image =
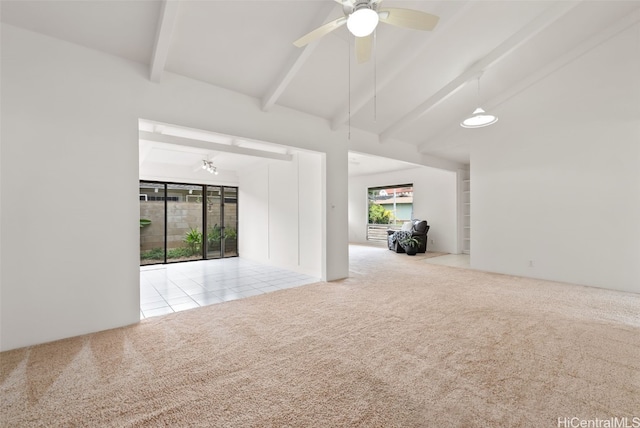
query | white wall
(434,200)
(311,218)
(185,174)
(280,217)
(253,213)
(566,199)
(70,265)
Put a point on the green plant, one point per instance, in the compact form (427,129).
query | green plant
(176,253)
(213,235)
(230,233)
(193,238)
(411,241)
(153,254)
(144,222)
(379,215)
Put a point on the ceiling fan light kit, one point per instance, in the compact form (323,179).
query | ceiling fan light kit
(362,18)
(362,22)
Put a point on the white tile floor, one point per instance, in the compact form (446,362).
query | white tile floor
(177,287)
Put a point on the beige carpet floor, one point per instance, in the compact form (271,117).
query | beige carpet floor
(401,343)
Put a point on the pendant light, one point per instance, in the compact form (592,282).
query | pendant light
(479,118)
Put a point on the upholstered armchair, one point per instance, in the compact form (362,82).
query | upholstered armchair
(415,228)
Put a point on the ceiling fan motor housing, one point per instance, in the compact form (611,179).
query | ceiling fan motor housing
(359,4)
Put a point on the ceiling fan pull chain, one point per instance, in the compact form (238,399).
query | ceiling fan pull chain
(349,84)
(375,76)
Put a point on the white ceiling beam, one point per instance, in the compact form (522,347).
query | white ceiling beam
(166,22)
(294,65)
(440,140)
(207,145)
(287,75)
(526,33)
(403,59)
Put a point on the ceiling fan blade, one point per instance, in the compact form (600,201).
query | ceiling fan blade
(408,18)
(320,31)
(363,48)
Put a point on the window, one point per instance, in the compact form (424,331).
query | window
(388,206)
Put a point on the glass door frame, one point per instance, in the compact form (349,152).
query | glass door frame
(223,224)
(223,201)
(205,253)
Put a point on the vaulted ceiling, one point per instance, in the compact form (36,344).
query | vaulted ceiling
(416,88)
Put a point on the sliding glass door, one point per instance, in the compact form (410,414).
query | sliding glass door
(182,222)
(230,216)
(222,222)
(214,223)
(152,232)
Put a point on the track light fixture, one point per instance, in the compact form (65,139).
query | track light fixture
(208,165)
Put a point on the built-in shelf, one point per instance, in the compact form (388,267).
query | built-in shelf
(466,212)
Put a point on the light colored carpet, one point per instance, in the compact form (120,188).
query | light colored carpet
(399,343)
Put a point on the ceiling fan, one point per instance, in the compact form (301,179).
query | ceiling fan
(362,17)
